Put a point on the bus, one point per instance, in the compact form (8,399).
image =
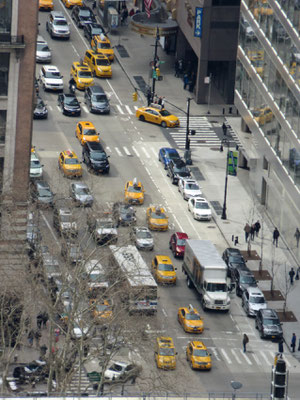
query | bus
(140,289)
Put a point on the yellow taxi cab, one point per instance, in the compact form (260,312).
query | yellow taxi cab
(86,132)
(190,319)
(69,164)
(157,115)
(46,5)
(257,60)
(72,3)
(157,219)
(101,311)
(263,115)
(82,75)
(163,270)
(262,8)
(165,356)
(98,63)
(134,192)
(101,44)
(198,356)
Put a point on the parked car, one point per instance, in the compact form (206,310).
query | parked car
(43,52)
(96,100)
(234,259)
(90,30)
(40,110)
(57,25)
(80,193)
(71,251)
(41,193)
(142,238)
(69,104)
(95,157)
(189,188)
(166,154)
(177,170)
(243,279)
(63,219)
(268,324)
(177,243)
(36,168)
(51,78)
(83,16)
(253,300)
(199,208)
(124,214)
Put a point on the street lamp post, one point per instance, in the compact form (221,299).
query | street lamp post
(187,153)
(226,141)
(154,64)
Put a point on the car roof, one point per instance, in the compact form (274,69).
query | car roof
(181,235)
(169,150)
(71,95)
(97,89)
(165,341)
(95,146)
(51,68)
(40,39)
(164,259)
(269,313)
(200,200)
(86,123)
(232,250)
(198,345)
(142,228)
(57,14)
(80,185)
(254,291)
(42,184)
(188,180)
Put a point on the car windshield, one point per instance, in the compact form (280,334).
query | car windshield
(42,47)
(45,193)
(98,155)
(192,186)
(103,45)
(180,170)
(257,299)
(216,287)
(165,267)
(35,164)
(99,97)
(271,321)
(164,113)
(202,205)
(96,30)
(200,353)
(144,235)
(82,191)
(134,189)
(71,161)
(193,317)
(116,368)
(166,351)
(71,101)
(85,13)
(96,277)
(247,279)
(236,259)
(84,74)
(158,215)
(102,61)
(53,74)
(180,242)
(89,132)
(173,155)
(60,22)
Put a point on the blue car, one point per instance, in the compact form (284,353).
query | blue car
(166,154)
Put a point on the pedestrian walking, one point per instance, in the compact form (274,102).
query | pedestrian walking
(297,236)
(224,127)
(163,102)
(297,274)
(149,97)
(37,337)
(30,337)
(247,229)
(124,16)
(276,235)
(257,227)
(56,333)
(299,345)
(43,350)
(45,318)
(280,346)
(180,67)
(39,320)
(292,274)
(245,341)
(159,101)
(176,67)
(185,81)
(252,231)
(293,342)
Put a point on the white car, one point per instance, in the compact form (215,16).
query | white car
(43,53)
(36,168)
(189,188)
(121,371)
(199,208)
(51,78)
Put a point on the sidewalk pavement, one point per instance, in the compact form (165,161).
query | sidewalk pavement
(242,206)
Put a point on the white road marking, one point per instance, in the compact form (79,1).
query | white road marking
(50,108)
(264,356)
(245,356)
(257,360)
(120,109)
(236,356)
(214,350)
(59,109)
(287,362)
(135,150)
(85,109)
(128,109)
(145,151)
(154,152)
(73,47)
(50,228)
(118,151)
(108,149)
(117,97)
(226,356)
(164,312)
(126,151)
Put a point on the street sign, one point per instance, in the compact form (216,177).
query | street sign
(232,162)
(198,22)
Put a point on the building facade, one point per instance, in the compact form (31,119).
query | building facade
(267,95)
(207,42)
(17,72)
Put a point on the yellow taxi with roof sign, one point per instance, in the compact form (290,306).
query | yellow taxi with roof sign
(101,44)
(157,219)
(163,270)
(165,355)
(101,310)
(134,192)
(86,132)
(198,356)
(69,164)
(98,63)
(190,319)
(46,5)
(157,115)
(82,75)
(72,3)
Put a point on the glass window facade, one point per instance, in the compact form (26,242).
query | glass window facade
(2,126)
(4,68)
(279,139)
(5,16)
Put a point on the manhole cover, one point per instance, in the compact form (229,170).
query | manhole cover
(153,136)
(211,227)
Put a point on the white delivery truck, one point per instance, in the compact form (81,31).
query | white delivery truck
(207,273)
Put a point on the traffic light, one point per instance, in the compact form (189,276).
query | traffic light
(157,70)
(279,380)
(134,96)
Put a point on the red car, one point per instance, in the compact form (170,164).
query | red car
(177,243)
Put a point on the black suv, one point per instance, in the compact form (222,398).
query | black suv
(268,324)
(94,157)
(243,279)
(177,170)
(90,30)
(82,16)
(96,100)
(233,259)
(69,104)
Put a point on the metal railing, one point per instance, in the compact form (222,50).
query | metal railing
(13,40)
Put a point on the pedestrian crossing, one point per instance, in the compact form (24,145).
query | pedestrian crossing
(80,382)
(205,135)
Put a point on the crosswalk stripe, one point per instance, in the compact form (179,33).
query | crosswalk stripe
(126,151)
(59,109)
(264,356)
(145,151)
(246,357)
(128,109)
(108,149)
(136,152)
(214,350)
(287,362)
(85,109)
(118,151)
(226,356)
(236,356)
(136,107)
(154,152)
(120,109)
(257,360)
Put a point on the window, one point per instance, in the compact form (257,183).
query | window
(226,2)
(4,68)
(5,16)
(2,126)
